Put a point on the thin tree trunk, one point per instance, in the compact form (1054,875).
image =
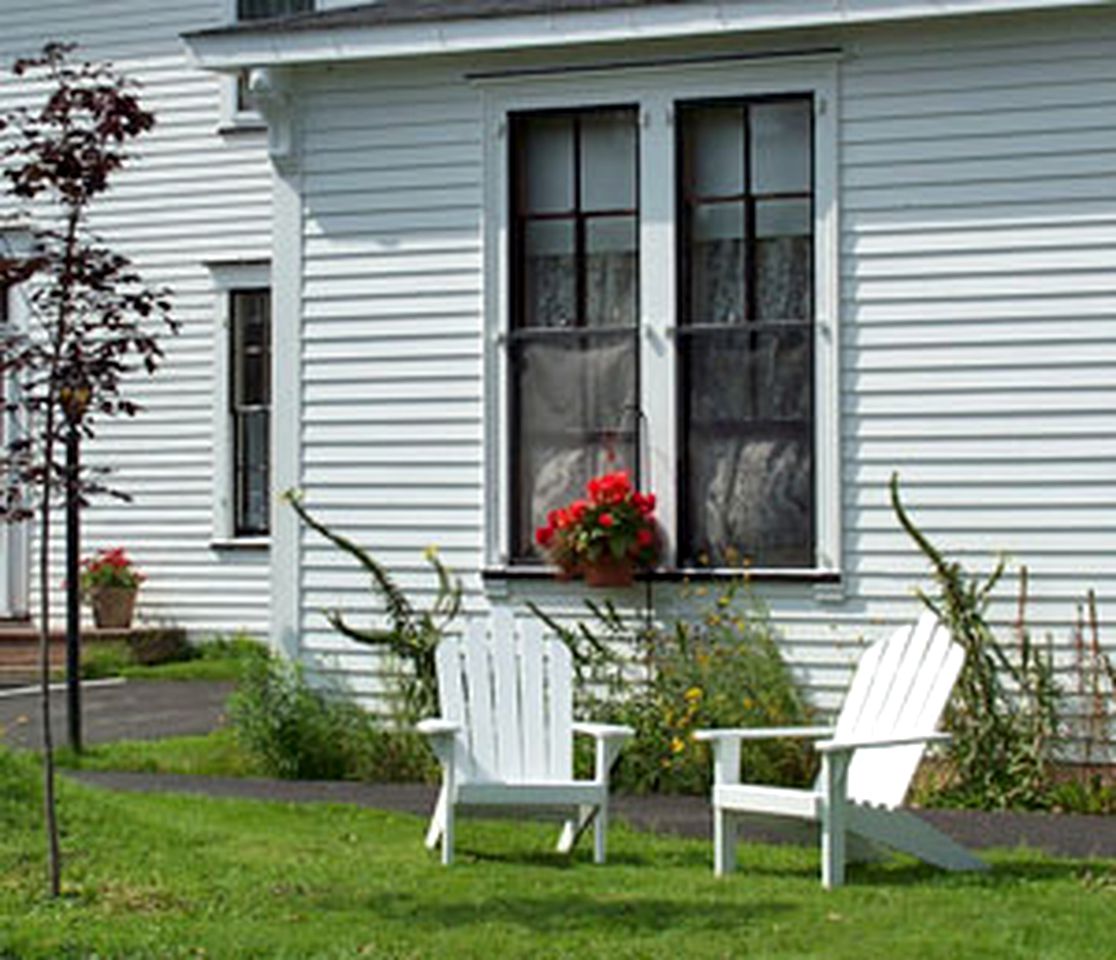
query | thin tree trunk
(50,816)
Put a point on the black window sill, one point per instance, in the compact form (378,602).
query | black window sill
(687,574)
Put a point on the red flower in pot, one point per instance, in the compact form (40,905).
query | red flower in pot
(607,535)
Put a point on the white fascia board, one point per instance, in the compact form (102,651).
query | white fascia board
(238,51)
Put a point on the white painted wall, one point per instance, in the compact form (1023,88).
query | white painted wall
(978,324)
(192,196)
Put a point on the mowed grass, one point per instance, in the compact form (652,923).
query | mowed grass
(174,876)
(215,754)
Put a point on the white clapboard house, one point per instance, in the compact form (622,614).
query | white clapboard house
(764,253)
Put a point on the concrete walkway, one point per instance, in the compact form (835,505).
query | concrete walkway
(151,710)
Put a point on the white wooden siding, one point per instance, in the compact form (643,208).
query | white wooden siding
(191,196)
(978,271)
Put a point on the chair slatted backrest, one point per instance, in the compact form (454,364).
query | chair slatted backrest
(901,687)
(511,691)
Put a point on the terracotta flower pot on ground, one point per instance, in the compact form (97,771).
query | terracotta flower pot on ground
(113,607)
(610,572)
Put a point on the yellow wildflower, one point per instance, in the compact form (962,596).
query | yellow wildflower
(694,693)
(677,745)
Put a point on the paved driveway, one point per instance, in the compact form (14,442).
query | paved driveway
(133,710)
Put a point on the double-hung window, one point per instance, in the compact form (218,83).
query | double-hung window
(573,343)
(242,363)
(250,409)
(664,295)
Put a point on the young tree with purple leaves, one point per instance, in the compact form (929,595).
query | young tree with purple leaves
(92,321)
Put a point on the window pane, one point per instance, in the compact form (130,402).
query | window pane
(608,160)
(549,276)
(548,159)
(749,446)
(781,149)
(715,155)
(745,376)
(252,472)
(717,269)
(784,254)
(264,9)
(750,498)
(575,401)
(251,355)
(611,272)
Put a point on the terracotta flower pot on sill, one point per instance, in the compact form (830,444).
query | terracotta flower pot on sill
(113,607)
(610,572)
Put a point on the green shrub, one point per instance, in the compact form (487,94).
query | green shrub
(156,646)
(720,667)
(101,660)
(297,732)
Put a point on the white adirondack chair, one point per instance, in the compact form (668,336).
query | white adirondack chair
(898,693)
(505,736)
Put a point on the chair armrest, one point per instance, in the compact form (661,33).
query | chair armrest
(763,733)
(610,739)
(437,727)
(841,746)
(603,731)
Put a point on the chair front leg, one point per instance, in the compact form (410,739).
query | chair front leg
(835,769)
(726,771)
(724,842)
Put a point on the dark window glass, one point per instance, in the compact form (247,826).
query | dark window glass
(746,310)
(250,407)
(575,307)
(268,9)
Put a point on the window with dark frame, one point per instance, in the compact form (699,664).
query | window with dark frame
(248,10)
(270,9)
(573,341)
(746,332)
(250,409)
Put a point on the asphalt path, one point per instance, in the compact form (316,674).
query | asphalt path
(133,710)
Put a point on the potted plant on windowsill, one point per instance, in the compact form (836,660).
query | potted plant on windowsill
(605,536)
(109,584)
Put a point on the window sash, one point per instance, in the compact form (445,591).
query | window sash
(750,441)
(250,415)
(585,323)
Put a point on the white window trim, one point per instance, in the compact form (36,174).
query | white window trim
(655,90)
(228,277)
(15,543)
(233,119)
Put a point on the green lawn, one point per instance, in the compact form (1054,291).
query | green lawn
(166,876)
(214,754)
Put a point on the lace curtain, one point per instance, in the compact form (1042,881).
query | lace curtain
(576,393)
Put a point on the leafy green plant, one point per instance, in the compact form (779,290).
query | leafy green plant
(105,660)
(412,635)
(1004,715)
(718,667)
(296,732)
(293,730)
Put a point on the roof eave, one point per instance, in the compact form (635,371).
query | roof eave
(236,50)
